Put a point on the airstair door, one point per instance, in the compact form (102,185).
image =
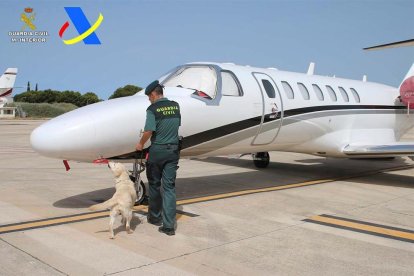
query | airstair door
(272,110)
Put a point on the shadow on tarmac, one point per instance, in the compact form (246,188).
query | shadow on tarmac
(277,174)
(135,221)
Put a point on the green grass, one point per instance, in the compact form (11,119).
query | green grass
(44,110)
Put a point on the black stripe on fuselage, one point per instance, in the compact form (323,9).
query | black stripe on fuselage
(218,132)
(211,134)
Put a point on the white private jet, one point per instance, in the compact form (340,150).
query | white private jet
(230,109)
(6,85)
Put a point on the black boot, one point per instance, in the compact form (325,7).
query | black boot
(168,231)
(154,221)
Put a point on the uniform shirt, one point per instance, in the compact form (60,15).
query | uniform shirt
(163,119)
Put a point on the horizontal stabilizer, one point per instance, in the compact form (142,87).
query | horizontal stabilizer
(385,150)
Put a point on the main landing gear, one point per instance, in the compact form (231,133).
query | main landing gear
(261,159)
(135,177)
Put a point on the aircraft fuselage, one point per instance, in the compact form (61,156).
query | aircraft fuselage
(231,109)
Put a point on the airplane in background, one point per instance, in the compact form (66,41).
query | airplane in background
(6,85)
(230,109)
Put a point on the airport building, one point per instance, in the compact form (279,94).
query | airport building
(7,112)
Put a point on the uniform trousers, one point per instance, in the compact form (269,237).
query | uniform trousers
(162,168)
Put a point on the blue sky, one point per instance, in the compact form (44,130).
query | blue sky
(141,40)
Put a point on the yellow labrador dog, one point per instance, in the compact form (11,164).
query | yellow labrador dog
(122,201)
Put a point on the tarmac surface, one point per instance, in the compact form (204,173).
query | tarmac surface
(303,215)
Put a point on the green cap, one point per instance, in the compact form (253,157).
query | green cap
(151,87)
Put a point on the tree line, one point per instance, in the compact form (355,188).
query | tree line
(53,96)
(73,97)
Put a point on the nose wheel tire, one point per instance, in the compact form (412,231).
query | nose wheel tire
(261,159)
(140,189)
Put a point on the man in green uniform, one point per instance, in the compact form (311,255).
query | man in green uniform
(162,123)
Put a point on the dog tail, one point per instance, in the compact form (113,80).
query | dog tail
(104,205)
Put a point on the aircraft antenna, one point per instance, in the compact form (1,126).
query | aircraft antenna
(311,68)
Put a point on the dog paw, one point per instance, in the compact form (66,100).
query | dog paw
(130,231)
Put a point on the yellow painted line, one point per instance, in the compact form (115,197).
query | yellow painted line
(67,219)
(284,187)
(88,216)
(252,191)
(178,216)
(181,217)
(140,208)
(365,227)
(37,224)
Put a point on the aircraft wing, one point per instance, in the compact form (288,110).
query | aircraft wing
(384,150)
(409,42)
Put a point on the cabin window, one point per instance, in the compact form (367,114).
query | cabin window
(269,89)
(203,79)
(331,93)
(356,95)
(304,91)
(288,90)
(318,92)
(344,94)
(230,85)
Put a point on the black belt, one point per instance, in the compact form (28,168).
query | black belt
(167,146)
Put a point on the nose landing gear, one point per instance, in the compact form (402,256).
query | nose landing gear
(261,159)
(135,177)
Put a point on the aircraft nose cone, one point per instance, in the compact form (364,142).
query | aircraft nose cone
(38,139)
(64,136)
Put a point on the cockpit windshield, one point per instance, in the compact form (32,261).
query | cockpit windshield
(202,79)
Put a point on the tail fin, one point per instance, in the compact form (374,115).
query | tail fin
(104,205)
(409,74)
(407,88)
(7,82)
